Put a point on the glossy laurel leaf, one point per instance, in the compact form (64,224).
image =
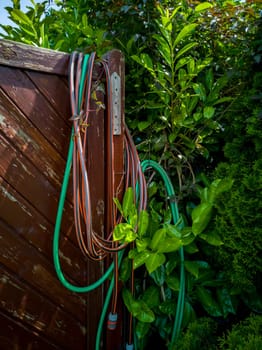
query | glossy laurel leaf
(143,219)
(208,302)
(139,258)
(124,231)
(169,245)
(151,296)
(128,202)
(173,283)
(138,308)
(154,261)
(142,329)
(142,244)
(185,32)
(158,236)
(201,216)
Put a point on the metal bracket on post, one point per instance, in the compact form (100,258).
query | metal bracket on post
(116,102)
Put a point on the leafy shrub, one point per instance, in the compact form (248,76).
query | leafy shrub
(240,210)
(199,335)
(246,335)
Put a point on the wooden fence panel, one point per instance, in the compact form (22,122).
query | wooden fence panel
(36,311)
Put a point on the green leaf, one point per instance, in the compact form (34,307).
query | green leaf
(200,91)
(144,313)
(157,237)
(192,267)
(169,245)
(224,185)
(208,302)
(168,307)
(146,61)
(132,218)
(203,6)
(171,265)
(118,205)
(188,237)
(217,187)
(225,301)
(208,112)
(209,79)
(182,77)
(128,202)
(212,238)
(142,244)
(137,59)
(182,62)
(139,258)
(173,283)
(128,299)
(21,17)
(191,248)
(185,49)
(144,124)
(191,67)
(159,275)
(138,308)
(172,231)
(151,296)
(130,236)
(154,261)
(201,216)
(143,220)
(184,32)
(188,315)
(166,33)
(124,231)
(125,269)
(29,32)
(142,329)
(163,48)
(222,100)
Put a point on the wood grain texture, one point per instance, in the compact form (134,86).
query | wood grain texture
(26,305)
(34,58)
(35,132)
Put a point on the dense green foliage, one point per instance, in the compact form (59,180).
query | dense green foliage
(247,335)
(193,104)
(240,211)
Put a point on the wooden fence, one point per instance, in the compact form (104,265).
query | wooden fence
(36,311)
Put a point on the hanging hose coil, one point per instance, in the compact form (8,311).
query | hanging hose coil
(93,245)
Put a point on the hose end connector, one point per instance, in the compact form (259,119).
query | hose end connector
(112,321)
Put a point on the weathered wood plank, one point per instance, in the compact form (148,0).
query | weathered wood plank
(29,57)
(25,137)
(38,232)
(24,304)
(55,90)
(30,266)
(22,175)
(15,335)
(37,109)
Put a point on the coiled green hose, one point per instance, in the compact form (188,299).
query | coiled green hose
(175,215)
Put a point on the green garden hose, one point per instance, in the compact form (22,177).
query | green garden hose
(57,265)
(175,216)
